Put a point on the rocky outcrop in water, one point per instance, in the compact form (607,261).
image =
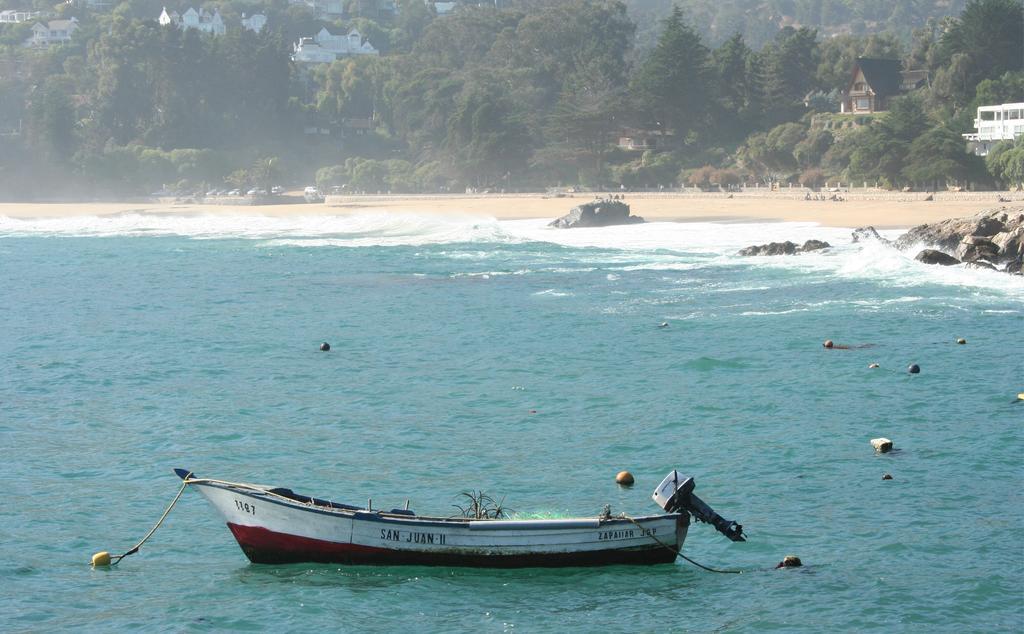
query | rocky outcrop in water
(599,213)
(990,239)
(931,256)
(865,234)
(814,245)
(784,248)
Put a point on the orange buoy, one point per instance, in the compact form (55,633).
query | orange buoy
(625,478)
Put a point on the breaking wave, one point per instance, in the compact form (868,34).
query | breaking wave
(673,248)
(355,230)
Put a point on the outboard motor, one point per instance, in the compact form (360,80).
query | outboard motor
(675,495)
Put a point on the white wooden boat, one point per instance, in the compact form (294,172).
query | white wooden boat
(276,525)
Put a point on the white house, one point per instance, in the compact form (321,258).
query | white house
(201,20)
(325,47)
(442,8)
(168,18)
(53,32)
(17,16)
(1004,122)
(255,22)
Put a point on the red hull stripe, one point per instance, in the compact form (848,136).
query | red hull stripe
(264,546)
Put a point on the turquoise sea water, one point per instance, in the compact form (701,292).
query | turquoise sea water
(475,354)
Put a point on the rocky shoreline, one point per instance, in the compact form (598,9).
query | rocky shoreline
(991,239)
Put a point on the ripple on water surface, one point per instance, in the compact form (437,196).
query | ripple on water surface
(130,355)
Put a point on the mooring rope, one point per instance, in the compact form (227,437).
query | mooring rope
(678,552)
(134,549)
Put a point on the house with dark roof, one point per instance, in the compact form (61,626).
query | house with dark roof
(873,82)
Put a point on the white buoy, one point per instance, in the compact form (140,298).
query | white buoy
(881,445)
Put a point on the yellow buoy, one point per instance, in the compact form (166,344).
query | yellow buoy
(1020,397)
(624,478)
(101,558)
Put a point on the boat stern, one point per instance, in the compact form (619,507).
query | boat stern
(675,495)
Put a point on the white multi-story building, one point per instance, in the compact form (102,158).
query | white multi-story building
(17,16)
(53,32)
(325,47)
(1004,122)
(201,20)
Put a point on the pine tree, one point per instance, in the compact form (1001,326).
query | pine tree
(673,84)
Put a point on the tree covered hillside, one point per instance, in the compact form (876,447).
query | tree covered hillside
(527,95)
(758,20)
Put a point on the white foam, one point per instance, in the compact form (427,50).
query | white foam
(670,247)
(759,313)
(354,230)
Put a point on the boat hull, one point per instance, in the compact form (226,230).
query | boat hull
(271,529)
(263,546)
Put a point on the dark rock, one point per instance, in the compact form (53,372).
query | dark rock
(772,248)
(784,248)
(814,245)
(1010,243)
(1015,267)
(599,213)
(973,248)
(947,234)
(994,237)
(863,234)
(931,256)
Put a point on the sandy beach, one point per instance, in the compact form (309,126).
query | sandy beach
(889,210)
